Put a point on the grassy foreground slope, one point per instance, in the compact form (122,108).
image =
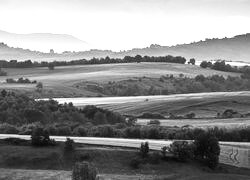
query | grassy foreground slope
(60,82)
(112,163)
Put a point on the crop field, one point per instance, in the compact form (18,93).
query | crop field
(202,123)
(202,104)
(62,78)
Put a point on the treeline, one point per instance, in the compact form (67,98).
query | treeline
(221,65)
(107,60)
(21,81)
(168,84)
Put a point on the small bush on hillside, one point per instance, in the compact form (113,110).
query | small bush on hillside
(144,149)
(207,149)
(181,150)
(80,131)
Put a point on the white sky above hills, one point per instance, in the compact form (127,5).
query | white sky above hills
(125,24)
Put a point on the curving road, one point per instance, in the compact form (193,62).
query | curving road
(232,153)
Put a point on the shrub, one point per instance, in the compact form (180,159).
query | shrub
(144,149)
(84,171)
(16,141)
(135,163)
(207,149)
(181,150)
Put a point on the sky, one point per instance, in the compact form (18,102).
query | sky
(126,24)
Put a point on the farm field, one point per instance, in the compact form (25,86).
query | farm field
(202,104)
(59,82)
(202,123)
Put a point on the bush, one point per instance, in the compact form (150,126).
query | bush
(84,171)
(144,149)
(181,150)
(135,163)
(207,149)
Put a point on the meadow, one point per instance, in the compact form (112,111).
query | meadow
(60,81)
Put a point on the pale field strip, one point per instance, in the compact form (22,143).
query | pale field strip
(232,153)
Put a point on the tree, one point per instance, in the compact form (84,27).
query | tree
(207,148)
(192,61)
(144,149)
(204,64)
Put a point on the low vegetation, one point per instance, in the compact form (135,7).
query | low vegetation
(21,81)
(169,84)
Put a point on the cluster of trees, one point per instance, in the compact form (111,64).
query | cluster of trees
(21,80)
(20,109)
(107,60)
(172,85)
(221,65)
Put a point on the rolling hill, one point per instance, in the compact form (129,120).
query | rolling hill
(235,49)
(44,41)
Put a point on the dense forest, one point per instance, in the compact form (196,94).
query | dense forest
(107,60)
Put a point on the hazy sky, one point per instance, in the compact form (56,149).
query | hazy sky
(126,24)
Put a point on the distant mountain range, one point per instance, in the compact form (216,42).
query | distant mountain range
(44,41)
(235,49)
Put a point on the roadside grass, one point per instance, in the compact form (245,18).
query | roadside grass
(16,162)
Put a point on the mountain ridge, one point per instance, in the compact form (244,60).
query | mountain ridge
(236,48)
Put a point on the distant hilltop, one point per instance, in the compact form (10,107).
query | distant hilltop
(44,41)
(232,49)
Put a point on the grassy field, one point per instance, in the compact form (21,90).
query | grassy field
(202,104)
(25,162)
(202,123)
(59,82)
